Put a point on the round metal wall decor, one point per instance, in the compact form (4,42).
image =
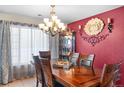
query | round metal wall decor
(94,26)
(93,29)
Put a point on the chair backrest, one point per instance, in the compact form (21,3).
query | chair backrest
(116,76)
(45,54)
(117,65)
(117,73)
(109,75)
(47,72)
(39,70)
(74,58)
(88,60)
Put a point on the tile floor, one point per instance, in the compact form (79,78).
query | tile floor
(28,82)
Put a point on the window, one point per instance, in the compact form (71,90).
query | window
(25,41)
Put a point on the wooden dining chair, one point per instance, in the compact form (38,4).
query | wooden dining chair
(106,76)
(110,75)
(117,74)
(45,54)
(39,71)
(49,79)
(87,61)
(74,58)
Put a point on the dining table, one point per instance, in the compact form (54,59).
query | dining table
(76,76)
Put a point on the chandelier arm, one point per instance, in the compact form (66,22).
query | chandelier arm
(50,31)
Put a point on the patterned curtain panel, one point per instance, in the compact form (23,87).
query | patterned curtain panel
(5,53)
(17,44)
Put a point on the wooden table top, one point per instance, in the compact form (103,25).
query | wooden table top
(76,77)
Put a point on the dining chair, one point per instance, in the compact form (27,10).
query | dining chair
(87,61)
(117,74)
(106,76)
(49,78)
(110,75)
(45,54)
(74,58)
(39,71)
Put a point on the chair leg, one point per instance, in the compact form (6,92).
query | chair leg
(37,83)
(43,84)
(93,71)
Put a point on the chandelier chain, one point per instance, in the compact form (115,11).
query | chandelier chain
(52,10)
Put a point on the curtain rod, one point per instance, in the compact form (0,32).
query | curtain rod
(20,23)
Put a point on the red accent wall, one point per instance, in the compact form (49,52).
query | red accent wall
(110,50)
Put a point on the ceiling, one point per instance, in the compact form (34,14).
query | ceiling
(67,13)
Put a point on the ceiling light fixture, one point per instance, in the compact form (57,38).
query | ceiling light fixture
(52,25)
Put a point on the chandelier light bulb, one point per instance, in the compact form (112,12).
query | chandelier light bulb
(46,28)
(41,25)
(49,24)
(59,25)
(46,20)
(63,28)
(55,29)
(62,24)
(54,17)
(58,21)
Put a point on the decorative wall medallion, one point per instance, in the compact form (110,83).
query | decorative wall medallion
(94,26)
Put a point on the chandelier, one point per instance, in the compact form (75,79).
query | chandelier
(52,25)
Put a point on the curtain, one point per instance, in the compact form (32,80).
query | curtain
(26,41)
(17,44)
(5,53)
(54,46)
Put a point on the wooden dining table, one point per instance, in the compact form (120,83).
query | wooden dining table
(76,76)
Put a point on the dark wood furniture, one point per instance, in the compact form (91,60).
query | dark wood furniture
(74,57)
(45,54)
(76,76)
(49,78)
(117,77)
(47,72)
(110,75)
(87,61)
(39,71)
(66,44)
(106,76)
